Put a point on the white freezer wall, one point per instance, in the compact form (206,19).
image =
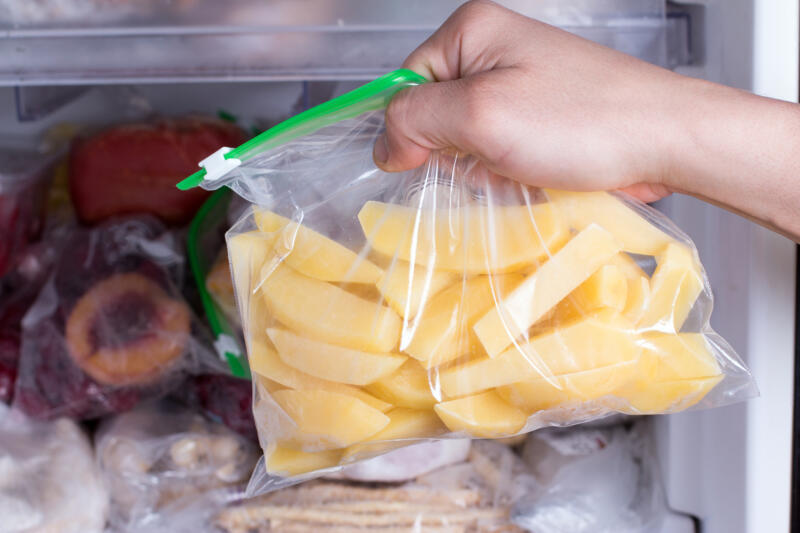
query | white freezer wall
(731,467)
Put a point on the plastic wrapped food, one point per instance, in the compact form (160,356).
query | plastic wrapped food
(132,168)
(23,285)
(592,480)
(110,326)
(475,494)
(24,174)
(222,398)
(48,479)
(161,453)
(447,301)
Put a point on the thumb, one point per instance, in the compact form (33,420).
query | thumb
(419,119)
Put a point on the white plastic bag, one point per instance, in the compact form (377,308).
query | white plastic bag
(592,480)
(49,482)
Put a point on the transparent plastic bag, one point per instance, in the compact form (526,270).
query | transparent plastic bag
(110,326)
(48,478)
(161,453)
(592,480)
(474,494)
(380,309)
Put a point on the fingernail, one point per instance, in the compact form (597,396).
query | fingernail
(380,153)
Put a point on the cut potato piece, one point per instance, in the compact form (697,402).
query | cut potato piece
(313,254)
(327,420)
(252,260)
(545,288)
(607,288)
(331,362)
(284,461)
(638,287)
(407,286)
(602,339)
(266,362)
(404,424)
(631,229)
(322,311)
(538,393)
(442,331)
(676,372)
(472,240)
(407,387)
(674,287)
(484,416)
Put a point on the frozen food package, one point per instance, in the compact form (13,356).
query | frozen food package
(223,398)
(598,480)
(17,293)
(110,326)
(48,478)
(160,453)
(475,493)
(24,176)
(447,302)
(131,168)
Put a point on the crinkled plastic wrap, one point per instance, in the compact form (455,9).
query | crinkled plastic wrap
(159,454)
(592,480)
(48,478)
(110,326)
(380,309)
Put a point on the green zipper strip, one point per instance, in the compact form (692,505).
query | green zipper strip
(374,95)
(218,323)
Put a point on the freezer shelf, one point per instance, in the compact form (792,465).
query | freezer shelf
(159,41)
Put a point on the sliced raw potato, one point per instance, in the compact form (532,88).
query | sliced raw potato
(266,362)
(483,415)
(601,339)
(313,254)
(319,310)
(442,331)
(407,387)
(676,372)
(326,420)
(631,229)
(404,424)
(407,286)
(546,287)
(285,461)
(607,288)
(252,260)
(674,287)
(472,240)
(538,393)
(331,362)
(638,286)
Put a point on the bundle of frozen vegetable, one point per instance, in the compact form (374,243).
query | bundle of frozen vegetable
(380,309)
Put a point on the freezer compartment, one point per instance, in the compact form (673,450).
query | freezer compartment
(158,41)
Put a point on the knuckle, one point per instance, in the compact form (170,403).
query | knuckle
(472,13)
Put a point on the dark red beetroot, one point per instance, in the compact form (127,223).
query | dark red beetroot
(133,168)
(223,399)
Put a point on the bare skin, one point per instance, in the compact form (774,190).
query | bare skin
(549,109)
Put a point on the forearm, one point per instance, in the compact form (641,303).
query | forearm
(739,151)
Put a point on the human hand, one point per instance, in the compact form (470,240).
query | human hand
(536,104)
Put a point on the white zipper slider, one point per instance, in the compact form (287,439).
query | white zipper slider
(217,166)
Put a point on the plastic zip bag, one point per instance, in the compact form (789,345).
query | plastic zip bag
(110,327)
(159,454)
(379,309)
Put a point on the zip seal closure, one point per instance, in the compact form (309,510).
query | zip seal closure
(369,97)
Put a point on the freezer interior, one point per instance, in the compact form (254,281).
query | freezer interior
(724,470)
